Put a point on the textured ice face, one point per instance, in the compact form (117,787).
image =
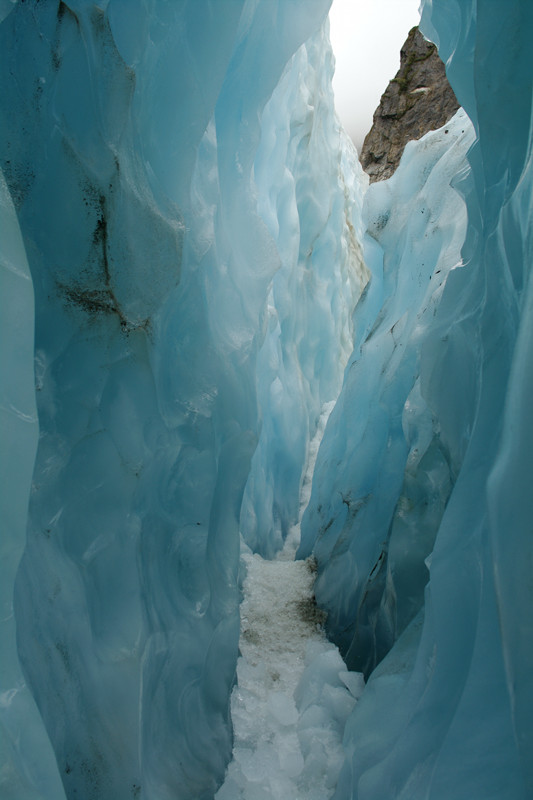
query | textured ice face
(431,442)
(130,140)
(157,181)
(27,758)
(373,516)
(310,187)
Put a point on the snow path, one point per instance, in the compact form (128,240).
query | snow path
(293,692)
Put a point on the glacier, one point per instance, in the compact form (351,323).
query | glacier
(193,275)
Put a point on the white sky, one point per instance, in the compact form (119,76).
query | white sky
(366,36)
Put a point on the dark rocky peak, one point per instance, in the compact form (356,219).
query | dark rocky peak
(419,99)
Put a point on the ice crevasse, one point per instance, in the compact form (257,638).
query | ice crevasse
(183,290)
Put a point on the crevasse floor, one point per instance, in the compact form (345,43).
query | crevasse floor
(293,692)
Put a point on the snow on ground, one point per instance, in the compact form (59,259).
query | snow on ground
(293,692)
(292,698)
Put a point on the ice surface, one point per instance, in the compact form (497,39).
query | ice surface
(137,147)
(310,188)
(27,763)
(425,531)
(129,142)
(190,215)
(379,508)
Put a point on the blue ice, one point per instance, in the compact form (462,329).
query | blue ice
(192,271)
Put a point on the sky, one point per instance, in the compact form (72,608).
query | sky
(366,36)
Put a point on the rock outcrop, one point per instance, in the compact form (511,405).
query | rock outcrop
(419,99)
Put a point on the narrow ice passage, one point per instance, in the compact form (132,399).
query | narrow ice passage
(293,693)
(181,261)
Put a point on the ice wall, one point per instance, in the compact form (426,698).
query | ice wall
(310,189)
(176,188)
(384,473)
(423,534)
(26,757)
(154,212)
